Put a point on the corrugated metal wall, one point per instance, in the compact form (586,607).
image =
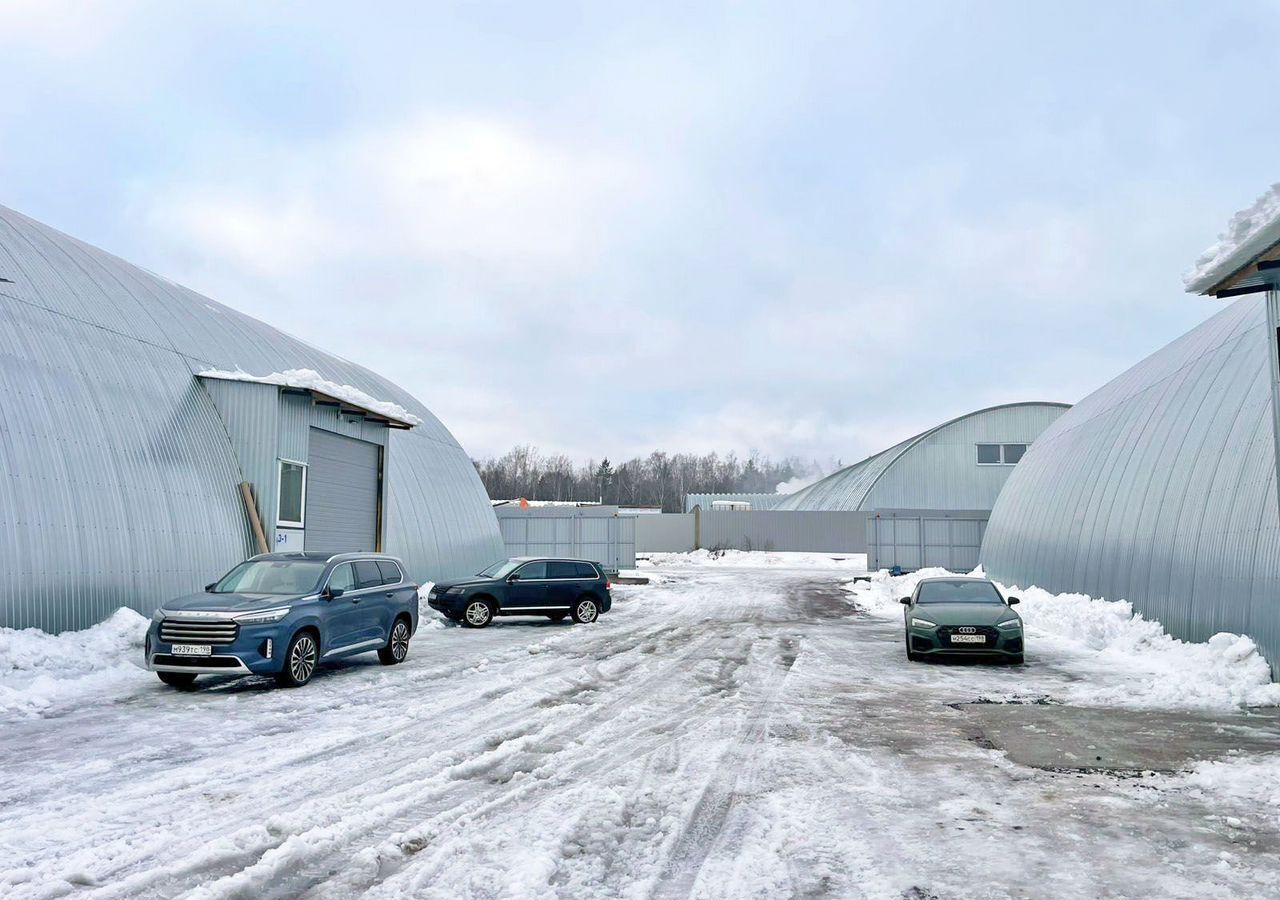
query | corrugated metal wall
(595,533)
(665,533)
(915,539)
(120,484)
(1159,488)
(823,531)
(815,532)
(934,470)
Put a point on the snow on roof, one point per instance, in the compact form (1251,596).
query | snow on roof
(310,380)
(1249,233)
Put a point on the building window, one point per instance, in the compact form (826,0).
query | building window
(988,454)
(1000,454)
(293,493)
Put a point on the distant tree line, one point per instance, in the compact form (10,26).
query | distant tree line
(659,479)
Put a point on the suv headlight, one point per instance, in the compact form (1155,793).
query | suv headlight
(261,616)
(922,623)
(1010,624)
(454,590)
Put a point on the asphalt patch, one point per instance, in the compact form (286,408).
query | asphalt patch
(1074,739)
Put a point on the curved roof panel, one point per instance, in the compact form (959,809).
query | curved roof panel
(936,469)
(1159,488)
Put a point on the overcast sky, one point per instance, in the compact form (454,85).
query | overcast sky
(605,228)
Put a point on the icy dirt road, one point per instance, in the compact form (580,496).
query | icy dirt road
(721,734)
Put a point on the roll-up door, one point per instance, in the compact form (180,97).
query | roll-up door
(342,493)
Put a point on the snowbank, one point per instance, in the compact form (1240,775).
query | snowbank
(1158,670)
(1251,782)
(428,618)
(756,559)
(40,671)
(309,379)
(1248,233)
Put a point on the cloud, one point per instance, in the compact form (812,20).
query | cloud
(808,231)
(449,190)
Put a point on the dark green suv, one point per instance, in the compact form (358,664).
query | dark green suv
(526,586)
(955,615)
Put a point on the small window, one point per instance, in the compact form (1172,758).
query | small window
(343,578)
(988,454)
(390,572)
(562,570)
(1013,453)
(534,571)
(586,570)
(367,574)
(293,493)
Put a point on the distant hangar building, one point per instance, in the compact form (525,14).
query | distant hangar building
(931,495)
(129,426)
(1160,488)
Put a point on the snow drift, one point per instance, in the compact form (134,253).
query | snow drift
(311,380)
(756,559)
(41,671)
(1249,232)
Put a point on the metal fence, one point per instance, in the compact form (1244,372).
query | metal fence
(782,531)
(596,533)
(915,539)
(666,533)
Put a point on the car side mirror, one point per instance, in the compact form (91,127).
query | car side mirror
(513,578)
(905,601)
(332,593)
(208,588)
(1014,601)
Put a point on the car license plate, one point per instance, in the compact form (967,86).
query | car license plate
(191,650)
(968,639)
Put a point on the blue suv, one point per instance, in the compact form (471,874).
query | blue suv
(526,586)
(282,614)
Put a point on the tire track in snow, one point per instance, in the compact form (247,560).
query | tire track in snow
(468,774)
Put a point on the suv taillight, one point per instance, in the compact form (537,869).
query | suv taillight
(608,585)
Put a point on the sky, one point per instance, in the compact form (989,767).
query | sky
(795,228)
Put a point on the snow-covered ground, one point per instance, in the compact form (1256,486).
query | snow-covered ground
(724,732)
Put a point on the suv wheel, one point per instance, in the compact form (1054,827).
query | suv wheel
(585,610)
(299,660)
(177,679)
(478,614)
(397,645)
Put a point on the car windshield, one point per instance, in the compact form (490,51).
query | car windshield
(272,576)
(958,592)
(500,569)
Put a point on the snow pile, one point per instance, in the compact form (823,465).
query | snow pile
(1248,233)
(309,379)
(39,671)
(756,559)
(1154,668)
(1251,782)
(428,617)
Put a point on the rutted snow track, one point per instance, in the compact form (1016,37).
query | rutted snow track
(724,734)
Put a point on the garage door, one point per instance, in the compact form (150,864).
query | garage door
(342,493)
(912,542)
